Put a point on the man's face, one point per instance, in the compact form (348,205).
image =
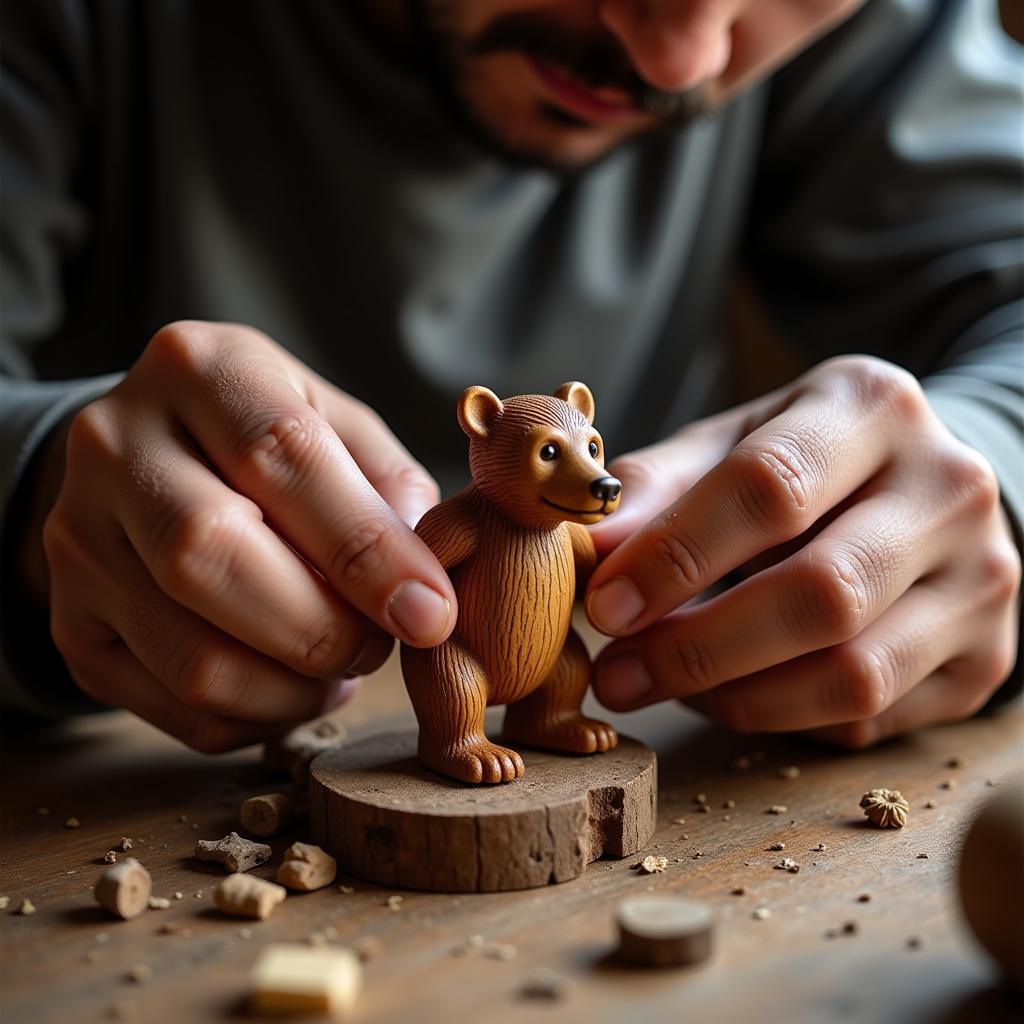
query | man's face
(559,83)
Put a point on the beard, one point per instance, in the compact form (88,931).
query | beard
(595,59)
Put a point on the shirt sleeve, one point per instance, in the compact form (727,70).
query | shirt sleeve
(888,216)
(45,83)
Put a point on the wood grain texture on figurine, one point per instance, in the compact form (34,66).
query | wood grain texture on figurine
(512,543)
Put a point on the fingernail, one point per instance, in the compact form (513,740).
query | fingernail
(623,680)
(615,604)
(420,611)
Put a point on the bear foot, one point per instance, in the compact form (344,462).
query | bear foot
(476,761)
(572,734)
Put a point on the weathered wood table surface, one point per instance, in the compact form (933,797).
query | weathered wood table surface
(909,959)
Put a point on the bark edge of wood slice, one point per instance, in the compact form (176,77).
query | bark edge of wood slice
(387,819)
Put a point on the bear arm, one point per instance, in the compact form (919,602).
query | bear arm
(583,552)
(450,530)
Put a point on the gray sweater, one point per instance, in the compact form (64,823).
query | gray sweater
(254,160)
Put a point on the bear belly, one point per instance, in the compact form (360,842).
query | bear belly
(521,591)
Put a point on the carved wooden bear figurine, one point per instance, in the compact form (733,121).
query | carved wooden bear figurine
(511,542)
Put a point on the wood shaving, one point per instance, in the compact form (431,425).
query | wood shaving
(126,844)
(678,821)
(777,809)
(790,771)
(346,890)
(26,907)
(72,823)
(394,903)
(652,865)
(140,974)
(234,852)
(885,808)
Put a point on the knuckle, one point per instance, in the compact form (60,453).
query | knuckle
(413,478)
(280,449)
(774,483)
(884,385)
(183,345)
(324,650)
(92,434)
(195,547)
(691,667)
(679,561)
(207,679)
(1001,571)
(970,480)
(865,682)
(730,709)
(362,551)
(830,600)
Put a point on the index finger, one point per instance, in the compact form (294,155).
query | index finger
(770,488)
(272,446)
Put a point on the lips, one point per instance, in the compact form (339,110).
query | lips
(600,106)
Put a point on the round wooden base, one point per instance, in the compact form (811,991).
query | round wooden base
(389,820)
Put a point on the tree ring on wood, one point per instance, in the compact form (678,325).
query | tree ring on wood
(387,819)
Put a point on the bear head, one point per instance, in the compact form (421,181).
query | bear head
(538,458)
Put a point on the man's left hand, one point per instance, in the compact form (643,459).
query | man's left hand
(881,574)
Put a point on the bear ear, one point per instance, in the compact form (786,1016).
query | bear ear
(479,408)
(579,397)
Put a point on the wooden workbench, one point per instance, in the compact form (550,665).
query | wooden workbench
(69,962)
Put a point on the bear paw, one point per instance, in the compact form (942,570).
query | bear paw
(573,735)
(477,761)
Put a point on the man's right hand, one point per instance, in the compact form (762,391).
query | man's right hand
(231,542)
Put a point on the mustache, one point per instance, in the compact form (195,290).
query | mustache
(597,60)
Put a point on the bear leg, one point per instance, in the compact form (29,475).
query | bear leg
(550,716)
(448,689)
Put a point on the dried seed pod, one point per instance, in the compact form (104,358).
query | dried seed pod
(124,889)
(234,852)
(266,815)
(247,896)
(885,808)
(306,867)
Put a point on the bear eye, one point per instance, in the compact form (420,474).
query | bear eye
(594,449)
(549,452)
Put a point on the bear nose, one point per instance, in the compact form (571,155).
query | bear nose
(606,489)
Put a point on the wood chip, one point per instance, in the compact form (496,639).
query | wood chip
(267,815)
(5,902)
(544,984)
(788,864)
(346,890)
(248,896)
(761,914)
(26,908)
(140,974)
(234,852)
(306,867)
(110,857)
(777,809)
(292,978)
(126,844)
(663,931)
(820,848)
(776,847)
(124,889)
(394,903)
(159,902)
(652,865)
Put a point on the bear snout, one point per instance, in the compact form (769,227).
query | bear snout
(606,488)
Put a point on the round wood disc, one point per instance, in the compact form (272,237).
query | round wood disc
(387,819)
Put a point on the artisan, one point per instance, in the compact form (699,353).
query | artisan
(253,251)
